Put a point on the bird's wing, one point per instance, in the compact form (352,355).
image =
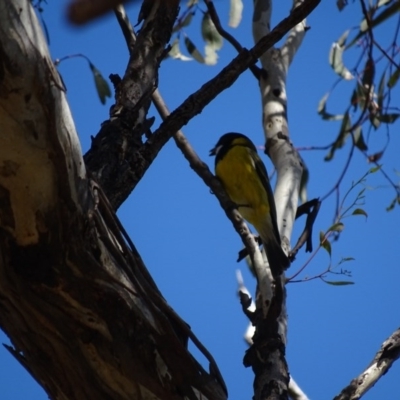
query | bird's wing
(263,175)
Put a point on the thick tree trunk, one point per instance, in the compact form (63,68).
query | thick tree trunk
(84,316)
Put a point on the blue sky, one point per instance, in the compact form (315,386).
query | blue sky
(189,246)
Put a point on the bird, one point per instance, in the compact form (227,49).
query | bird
(245,179)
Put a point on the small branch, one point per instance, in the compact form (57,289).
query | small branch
(248,305)
(383,360)
(215,19)
(213,183)
(295,391)
(338,182)
(382,50)
(113,156)
(126,26)
(196,163)
(305,148)
(196,102)
(291,279)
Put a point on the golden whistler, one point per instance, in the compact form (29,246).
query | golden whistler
(245,179)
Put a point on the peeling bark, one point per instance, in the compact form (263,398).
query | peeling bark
(82,312)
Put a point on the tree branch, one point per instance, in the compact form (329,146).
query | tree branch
(113,156)
(132,163)
(215,19)
(194,160)
(381,363)
(84,316)
(267,354)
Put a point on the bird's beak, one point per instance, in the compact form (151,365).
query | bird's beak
(213,151)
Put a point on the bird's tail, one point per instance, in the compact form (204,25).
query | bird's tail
(277,259)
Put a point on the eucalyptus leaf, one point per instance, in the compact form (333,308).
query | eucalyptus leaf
(389,11)
(209,32)
(342,136)
(339,283)
(359,139)
(175,52)
(192,49)
(324,114)
(393,79)
(325,244)
(388,118)
(235,13)
(338,227)
(336,57)
(360,211)
(102,87)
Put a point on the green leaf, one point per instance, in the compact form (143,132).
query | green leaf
(209,32)
(212,38)
(192,49)
(342,136)
(393,79)
(336,57)
(102,87)
(381,88)
(345,259)
(388,118)
(211,56)
(359,139)
(175,52)
(382,3)
(338,283)
(375,169)
(342,40)
(235,13)
(184,22)
(338,227)
(325,244)
(359,97)
(361,193)
(391,206)
(324,114)
(374,119)
(382,17)
(360,211)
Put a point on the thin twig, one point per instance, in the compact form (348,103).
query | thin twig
(383,51)
(338,182)
(226,35)
(202,170)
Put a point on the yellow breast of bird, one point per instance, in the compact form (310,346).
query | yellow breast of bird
(239,177)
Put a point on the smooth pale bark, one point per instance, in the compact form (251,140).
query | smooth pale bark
(381,363)
(269,340)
